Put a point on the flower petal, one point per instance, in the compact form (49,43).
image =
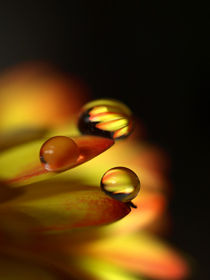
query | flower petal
(21,165)
(102,270)
(131,154)
(149,207)
(36,94)
(52,206)
(140,254)
(28,254)
(12,138)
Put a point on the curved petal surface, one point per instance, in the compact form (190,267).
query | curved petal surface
(52,206)
(21,165)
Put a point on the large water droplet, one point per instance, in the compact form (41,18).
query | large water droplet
(120,183)
(59,153)
(107,118)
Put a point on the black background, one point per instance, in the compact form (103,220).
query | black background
(154,56)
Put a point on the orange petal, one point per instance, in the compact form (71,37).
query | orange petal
(22,165)
(149,207)
(54,206)
(141,254)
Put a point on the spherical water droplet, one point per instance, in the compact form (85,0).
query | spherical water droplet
(59,153)
(120,183)
(107,118)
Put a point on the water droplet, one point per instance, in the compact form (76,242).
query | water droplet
(59,153)
(107,118)
(120,183)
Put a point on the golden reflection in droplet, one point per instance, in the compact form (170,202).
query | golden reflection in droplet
(120,183)
(107,118)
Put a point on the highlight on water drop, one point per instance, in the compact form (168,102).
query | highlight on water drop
(120,183)
(107,118)
(59,153)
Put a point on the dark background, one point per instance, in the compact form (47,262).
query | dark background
(155,57)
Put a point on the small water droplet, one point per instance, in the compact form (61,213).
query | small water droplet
(107,118)
(120,183)
(59,153)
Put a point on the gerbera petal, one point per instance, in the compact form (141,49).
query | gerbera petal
(21,165)
(52,206)
(149,207)
(103,270)
(141,254)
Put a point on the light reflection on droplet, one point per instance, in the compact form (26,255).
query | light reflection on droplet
(107,118)
(59,153)
(120,183)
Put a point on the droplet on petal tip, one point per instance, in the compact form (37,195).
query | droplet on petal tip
(59,153)
(121,183)
(29,168)
(107,118)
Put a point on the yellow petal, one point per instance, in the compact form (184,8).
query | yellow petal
(53,206)
(146,161)
(141,254)
(12,138)
(102,270)
(21,165)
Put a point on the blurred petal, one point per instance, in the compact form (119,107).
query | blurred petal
(34,254)
(58,207)
(149,207)
(20,136)
(16,269)
(36,94)
(141,254)
(102,270)
(21,165)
